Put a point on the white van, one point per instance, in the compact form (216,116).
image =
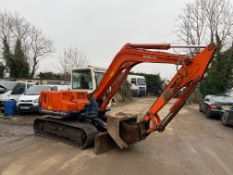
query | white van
(138,85)
(19,90)
(29,102)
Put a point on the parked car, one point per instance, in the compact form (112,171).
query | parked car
(11,90)
(213,105)
(29,102)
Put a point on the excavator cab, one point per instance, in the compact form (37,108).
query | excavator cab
(87,78)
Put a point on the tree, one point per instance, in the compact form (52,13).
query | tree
(71,58)
(19,66)
(7,55)
(219,77)
(40,46)
(50,76)
(34,44)
(202,20)
(2,69)
(16,63)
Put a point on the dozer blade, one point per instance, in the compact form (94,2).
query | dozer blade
(103,143)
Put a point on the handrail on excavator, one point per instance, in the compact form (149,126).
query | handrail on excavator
(162,46)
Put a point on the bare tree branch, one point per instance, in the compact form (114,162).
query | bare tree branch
(202,20)
(72,58)
(35,45)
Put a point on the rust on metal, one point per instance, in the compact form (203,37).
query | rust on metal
(129,131)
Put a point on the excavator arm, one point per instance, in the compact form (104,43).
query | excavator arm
(128,57)
(191,71)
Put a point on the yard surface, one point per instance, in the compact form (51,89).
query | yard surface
(191,145)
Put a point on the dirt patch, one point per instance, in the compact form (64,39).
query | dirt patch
(19,120)
(191,144)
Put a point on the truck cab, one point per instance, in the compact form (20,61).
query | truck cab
(138,85)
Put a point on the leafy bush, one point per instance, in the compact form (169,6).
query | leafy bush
(125,91)
(219,75)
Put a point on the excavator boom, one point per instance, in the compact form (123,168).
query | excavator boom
(125,130)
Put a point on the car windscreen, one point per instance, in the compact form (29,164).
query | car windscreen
(222,99)
(35,90)
(141,81)
(8,84)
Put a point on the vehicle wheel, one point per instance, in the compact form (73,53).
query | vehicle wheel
(208,113)
(200,108)
(224,119)
(40,109)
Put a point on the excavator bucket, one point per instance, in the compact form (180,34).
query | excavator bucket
(122,131)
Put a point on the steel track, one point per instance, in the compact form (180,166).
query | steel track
(74,132)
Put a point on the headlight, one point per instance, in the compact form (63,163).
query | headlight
(36,101)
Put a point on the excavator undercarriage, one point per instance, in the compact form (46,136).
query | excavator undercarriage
(121,131)
(78,133)
(79,118)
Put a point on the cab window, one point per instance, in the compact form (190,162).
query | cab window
(133,81)
(82,79)
(98,77)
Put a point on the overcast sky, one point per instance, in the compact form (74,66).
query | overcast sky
(100,28)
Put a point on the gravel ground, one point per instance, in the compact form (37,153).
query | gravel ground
(191,145)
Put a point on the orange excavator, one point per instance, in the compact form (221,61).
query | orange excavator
(80,118)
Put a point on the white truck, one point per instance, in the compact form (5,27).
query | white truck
(138,85)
